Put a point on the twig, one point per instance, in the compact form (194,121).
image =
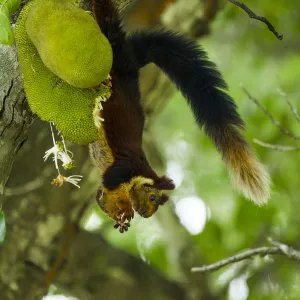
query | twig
(288,251)
(277,249)
(269,115)
(252,15)
(25,188)
(292,108)
(276,147)
(242,256)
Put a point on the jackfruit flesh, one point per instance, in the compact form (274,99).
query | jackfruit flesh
(69,42)
(51,98)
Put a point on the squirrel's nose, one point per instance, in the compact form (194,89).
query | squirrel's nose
(144,211)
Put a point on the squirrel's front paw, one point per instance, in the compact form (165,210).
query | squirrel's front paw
(122,226)
(123,218)
(125,214)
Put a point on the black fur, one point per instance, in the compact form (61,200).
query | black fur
(196,77)
(108,20)
(123,170)
(119,172)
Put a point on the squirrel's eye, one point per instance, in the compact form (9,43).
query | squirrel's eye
(152,197)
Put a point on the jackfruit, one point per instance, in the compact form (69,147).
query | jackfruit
(51,98)
(69,42)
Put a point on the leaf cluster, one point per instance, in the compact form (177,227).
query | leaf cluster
(7,8)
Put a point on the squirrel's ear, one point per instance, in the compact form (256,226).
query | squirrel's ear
(164,198)
(164,183)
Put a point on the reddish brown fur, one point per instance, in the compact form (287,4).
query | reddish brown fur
(123,124)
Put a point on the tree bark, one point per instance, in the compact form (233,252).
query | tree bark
(15,116)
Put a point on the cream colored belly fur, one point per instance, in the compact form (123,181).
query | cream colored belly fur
(101,153)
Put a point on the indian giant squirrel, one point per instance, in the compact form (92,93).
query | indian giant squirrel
(128,182)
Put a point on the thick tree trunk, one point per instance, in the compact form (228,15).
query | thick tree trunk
(15,117)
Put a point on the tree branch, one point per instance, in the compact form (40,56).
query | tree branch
(110,273)
(252,15)
(290,105)
(276,147)
(277,124)
(270,116)
(277,249)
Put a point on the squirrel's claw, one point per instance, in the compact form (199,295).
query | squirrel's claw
(122,226)
(123,219)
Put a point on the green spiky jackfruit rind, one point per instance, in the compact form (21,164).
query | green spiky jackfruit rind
(69,42)
(52,99)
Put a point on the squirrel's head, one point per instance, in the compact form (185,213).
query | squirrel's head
(147,194)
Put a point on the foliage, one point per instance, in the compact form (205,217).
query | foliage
(7,8)
(2,227)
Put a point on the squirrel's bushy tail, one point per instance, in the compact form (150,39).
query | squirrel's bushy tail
(203,86)
(247,174)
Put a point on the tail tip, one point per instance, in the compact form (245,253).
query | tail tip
(253,182)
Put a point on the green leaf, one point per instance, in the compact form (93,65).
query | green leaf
(10,5)
(2,227)
(7,8)
(4,10)
(6,32)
